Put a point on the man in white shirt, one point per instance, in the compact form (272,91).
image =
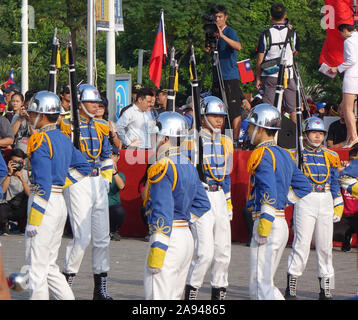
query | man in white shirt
(135,122)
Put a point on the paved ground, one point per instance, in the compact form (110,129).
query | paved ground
(127,260)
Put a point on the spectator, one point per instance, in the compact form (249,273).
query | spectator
(102,113)
(16,189)
(143,186)
(270,48)
(321,109)
(6,134)
(20,124)
(350,212)
(65,97)
(135,123)
(350,84)
(337,131)
(9,91)
(228,45)
(162,99)
(187,111)
(135,90)
(116,210)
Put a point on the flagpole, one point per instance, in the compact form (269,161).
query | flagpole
(90,42)
(24,48)
(111,61)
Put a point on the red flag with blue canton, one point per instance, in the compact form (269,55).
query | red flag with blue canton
(10,80)
(245,70)
(159,49)
(332,50)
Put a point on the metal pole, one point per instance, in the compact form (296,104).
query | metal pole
(24,48)
(140,66)
(90,42)
(111,61)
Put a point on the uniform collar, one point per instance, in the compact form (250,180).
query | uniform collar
(48,127)
(85,120)
(312,149)
(172,151)
(268,143)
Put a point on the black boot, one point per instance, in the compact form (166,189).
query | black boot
(191,293)
(100,287)
(325,289)
(218,293)
(69,278)
(290,293)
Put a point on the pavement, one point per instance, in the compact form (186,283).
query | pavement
(127,262)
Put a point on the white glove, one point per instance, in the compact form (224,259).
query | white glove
(153,270)
(229,212)
(336,218)
(31,230)
(260,239)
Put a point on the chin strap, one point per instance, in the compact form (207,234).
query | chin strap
(315,145)
(91,115)
(37,120)
(254,135)
(216,131)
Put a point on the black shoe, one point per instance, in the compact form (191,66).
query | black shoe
(100,287)
(191,293)
(69,278)
(325,289)
(5,229)
(290,293)
(115,236)
(218,293)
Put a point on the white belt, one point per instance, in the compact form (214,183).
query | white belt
(278,214)
(180,224)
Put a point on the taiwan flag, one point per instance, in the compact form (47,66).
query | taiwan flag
(245,70)
(11,80)
(337,12)
(159,50)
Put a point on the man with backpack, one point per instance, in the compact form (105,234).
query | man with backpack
(271,44)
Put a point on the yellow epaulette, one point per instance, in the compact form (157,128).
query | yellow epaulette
(256,157)
(102,126)
(65,128)
(333,158)
(35,142)
(227,143)
(291,153)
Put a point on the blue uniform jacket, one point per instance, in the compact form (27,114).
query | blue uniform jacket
(95,145)
(321,168)
(274,182)
(54,162)
(175,193)
(348,178)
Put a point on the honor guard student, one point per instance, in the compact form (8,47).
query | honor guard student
(315,213)
(175,198)
(88,200)
(212,232)
(55,164)
(275,181)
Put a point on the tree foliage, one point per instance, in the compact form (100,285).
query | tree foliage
(183,26)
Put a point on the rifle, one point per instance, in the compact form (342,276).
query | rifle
(75,119)
(172,72)
(299,134)
(53,66)
(198,142)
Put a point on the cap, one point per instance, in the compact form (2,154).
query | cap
(12,87)
(136,87)
(65,89)
(162,90)
(188,104)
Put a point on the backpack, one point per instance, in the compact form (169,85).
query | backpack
(272,66)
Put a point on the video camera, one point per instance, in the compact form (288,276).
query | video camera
(18,165)
(211,30)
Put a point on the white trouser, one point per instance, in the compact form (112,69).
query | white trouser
(264,260)
(87,204)
(212,244)
(169,283)
(312,214)
(41,252)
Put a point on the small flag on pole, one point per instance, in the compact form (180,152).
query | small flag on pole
(58,59)
(159,50)
(245,70)
(10,80)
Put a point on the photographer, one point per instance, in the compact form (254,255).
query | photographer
(16,188)
(228,45)
(271,43)
(20,125)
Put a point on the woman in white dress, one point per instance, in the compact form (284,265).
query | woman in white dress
(350,81)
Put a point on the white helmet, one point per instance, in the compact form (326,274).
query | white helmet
(171,124)
(88,93)
(212,105)
(313,124)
